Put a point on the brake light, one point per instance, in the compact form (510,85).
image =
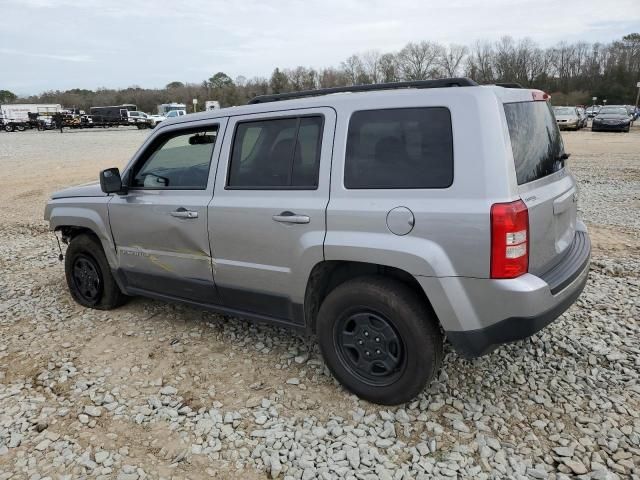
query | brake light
(540,96)
(509,239)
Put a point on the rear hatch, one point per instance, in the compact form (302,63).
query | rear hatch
(544,184)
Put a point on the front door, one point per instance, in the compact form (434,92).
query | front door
(267,217)
(160,225)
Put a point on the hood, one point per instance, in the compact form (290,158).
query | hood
(86,190)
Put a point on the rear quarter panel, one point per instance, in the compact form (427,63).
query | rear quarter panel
(451,235)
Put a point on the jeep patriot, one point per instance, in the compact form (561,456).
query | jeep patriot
(382,218)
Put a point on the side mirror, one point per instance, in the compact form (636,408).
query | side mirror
(110,181)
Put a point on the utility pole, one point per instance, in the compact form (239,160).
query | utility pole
(638,95)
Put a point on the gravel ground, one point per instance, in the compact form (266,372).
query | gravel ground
(166,391)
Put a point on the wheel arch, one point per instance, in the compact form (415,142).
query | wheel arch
(74,220)
(329,274)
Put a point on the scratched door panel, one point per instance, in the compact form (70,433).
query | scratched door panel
(160,225)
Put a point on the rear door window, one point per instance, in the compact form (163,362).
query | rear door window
(535,140)
(399,148)
(276,153)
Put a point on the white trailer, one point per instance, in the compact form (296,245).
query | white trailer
(168,107)
(19,112)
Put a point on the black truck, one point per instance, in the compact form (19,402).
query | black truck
(116,115)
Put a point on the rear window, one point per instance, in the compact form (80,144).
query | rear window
(535,140)
(399,148)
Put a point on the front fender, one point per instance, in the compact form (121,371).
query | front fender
(91,214)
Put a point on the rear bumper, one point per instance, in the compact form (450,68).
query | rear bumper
(480,314)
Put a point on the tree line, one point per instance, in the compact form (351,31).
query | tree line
(572,72)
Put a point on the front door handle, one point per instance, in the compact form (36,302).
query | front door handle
(184,213)
(290,217)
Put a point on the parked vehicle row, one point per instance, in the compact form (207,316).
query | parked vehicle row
(20,117)
(360,217)
(605,118)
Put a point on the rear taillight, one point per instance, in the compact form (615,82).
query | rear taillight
(509,239)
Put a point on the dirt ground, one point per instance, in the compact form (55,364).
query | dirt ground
(209,359)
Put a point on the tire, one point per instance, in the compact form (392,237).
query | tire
(8,128)
(20,128)
(88,275)
(379,311)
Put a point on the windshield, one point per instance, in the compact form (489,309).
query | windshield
(537,146)
(564,110)
(613,111)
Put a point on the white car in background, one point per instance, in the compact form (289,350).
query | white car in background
(136,116)
(172,114)
(175,113)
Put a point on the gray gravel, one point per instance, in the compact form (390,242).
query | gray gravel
(164,391)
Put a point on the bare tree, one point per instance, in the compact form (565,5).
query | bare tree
(452,59)
(480,62)
(389,68)
(420,61)
(371,66)
(332,77)
(354,70)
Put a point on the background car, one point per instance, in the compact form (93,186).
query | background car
(612,118)
(138,117)
(567,118)
(176,113)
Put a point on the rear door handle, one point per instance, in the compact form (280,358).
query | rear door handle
(290,217)
(184,213)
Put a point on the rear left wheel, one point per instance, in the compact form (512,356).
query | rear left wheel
(379,339)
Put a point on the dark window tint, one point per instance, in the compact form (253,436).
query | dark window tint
(535,140)
(278,153)
(400,148)
(177,160)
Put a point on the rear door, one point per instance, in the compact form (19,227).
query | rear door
(267,217)
(544,183)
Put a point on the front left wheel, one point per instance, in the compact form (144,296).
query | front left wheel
(380,339)
(88,275)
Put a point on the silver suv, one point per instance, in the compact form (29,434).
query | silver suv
(382,218)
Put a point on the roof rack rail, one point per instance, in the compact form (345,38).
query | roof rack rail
(509,85)
(440,83)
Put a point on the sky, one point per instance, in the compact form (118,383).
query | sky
(62,44)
